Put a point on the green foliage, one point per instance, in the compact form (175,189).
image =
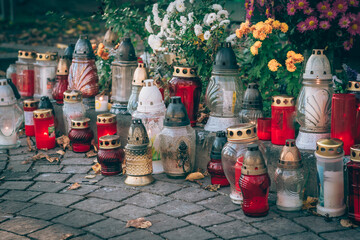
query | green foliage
(104,73)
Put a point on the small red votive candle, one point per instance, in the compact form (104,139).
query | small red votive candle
(110,155)
(106,125)
(30,106)
(81,135)
(264,128)
(44,129)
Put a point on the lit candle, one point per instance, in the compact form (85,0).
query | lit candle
(101,103)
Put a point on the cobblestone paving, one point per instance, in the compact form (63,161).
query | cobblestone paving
(36,204)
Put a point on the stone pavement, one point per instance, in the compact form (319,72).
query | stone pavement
(36,204)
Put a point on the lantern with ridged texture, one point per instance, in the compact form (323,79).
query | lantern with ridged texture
(45,74)
(81,135)
(138,81)
(73,107)
(25,73)
(110,155)
(61,85)
(353,171)
(29,106)
(252,105)
(44,129)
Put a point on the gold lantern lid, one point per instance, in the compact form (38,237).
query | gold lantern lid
(106,118)
(63,66)
(353,86)
(355,153)
(42,113)
(186,72)
(27,54)
(241,132)
(290,157)
(254,163)
(48,56)
(30,103)
(329,148)
(109,142)
(140,75)
(72,96)
(283,101)
(80,123)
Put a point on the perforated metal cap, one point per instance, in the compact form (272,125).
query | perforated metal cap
(176,114)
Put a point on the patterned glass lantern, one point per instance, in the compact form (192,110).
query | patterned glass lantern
(73,107)
(186,84)
(61,85)
(11,117)
(138,81)
(232,156)
(353,170)
(224,91)
(122,69)
(83,73)
(330,168)
(81,135)
(177,141)
(290,178)
(251,105)
(25,73)
(314,101)
(45,73)
(110,155)
(137,156)
(151,110)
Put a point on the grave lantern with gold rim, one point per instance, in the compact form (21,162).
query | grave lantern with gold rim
(45,74)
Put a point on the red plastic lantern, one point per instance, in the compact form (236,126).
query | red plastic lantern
(186,85)
(81,135)
(264,128)
(110,155)
(29,107)
(354,88)
(44,129)
(25,73)
(106,125)
(343,119)
(61,84)
(282,119)
(254,183)
(353,170)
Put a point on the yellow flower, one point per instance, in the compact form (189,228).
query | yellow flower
(284,27)
(298,58)
(257,44)
(269,21)
(290,54)
(243,30)
(291,67)
(254,51)
(273,65)
(276,24)
(201,37)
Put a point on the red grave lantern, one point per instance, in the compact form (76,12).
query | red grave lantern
(29,106)
(81,135)
(44,129)
(110,155)
(106,125)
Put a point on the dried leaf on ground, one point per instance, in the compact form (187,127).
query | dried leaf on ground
(212,188)
(74,186)
(347,223)
(52,159)
(138,223)
(63,142)
(29,144)
(194,176)
(66,236)
(25,162)
(309,203)
(94,145)
(61,152)
(96,168)
(91,153)
(43,155)
(90,176)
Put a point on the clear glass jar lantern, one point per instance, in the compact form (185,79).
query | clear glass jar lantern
(138,81)
(232,155)
(290,178)
(330,168)
(224,91)
(314,101)
(177,141)
(11,117)
(73,107)
(122,70)
(151,110)
(25,73)
(251,105)
(45,74)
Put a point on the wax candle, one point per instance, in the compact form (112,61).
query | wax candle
(101,103)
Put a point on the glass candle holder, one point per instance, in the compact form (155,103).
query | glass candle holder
(330,168)
(282,119)
(343,119)
(251,105)
(354,88)
(61,85)
(106,125)
(44,129)
(25,73)
(73,107)
(80,135)
(140,75)
(45,74)
(30,106)
(110,155)
(353,171)
(11,73)
(101,103)
(264,128)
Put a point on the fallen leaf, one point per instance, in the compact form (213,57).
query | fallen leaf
(206,173)
(138,223)
(96,168)
(66,236)
(94,145)
(347,223)
(309,203)
(1,178)
(91,154)
(212,188)
(61,152)
(29,144)
(52,159)
(63,142)
(39,156)
(25,162)
(74,186)
(194,176)
(90,176)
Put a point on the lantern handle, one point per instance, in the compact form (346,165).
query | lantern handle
(14,89)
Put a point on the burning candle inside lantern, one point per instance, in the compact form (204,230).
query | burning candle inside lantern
(101,103)
(29,107)
(106,125)
(44,129)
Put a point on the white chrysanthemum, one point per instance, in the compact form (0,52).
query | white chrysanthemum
(183,30)
(183,20)
(148,25)
(191,1)
(207,35)
(224,22)
(180,5)
(154,42)
(161,33)
(191,18)
(210,19)
(231,39)
(216,7)
(155,9)
(170,39)
(171,7)
(222,15)
(213,27)
(171,33)
(165,22)
(178,23)
(198,30)
(205,18)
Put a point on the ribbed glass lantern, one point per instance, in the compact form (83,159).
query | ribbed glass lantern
(251,105)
